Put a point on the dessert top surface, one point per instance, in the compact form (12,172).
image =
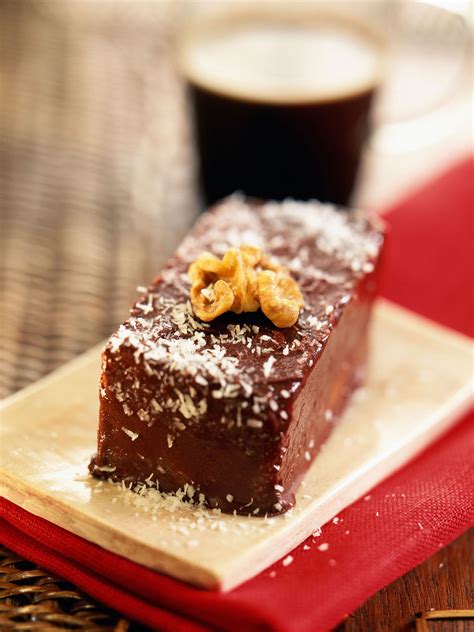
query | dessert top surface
(325,250)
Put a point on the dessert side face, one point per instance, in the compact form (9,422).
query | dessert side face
(235,410)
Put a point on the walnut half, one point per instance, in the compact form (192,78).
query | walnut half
(244,280)
(280,298)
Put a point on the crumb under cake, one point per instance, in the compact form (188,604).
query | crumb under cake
(235,410)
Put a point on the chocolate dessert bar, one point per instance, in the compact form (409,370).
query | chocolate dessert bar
(234,411)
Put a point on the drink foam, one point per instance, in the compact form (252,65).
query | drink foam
(282,62)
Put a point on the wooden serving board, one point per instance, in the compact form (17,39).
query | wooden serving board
(420,382)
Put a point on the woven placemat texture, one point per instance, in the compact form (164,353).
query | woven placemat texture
(96,172)
(32,599)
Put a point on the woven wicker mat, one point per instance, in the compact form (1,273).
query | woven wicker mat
(32,599)
(95,172)
(96,190)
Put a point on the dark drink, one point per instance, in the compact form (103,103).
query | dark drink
(281,102)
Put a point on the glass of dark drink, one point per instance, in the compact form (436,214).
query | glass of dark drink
(281,99)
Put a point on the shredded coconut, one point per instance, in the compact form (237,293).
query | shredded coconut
(268,365)
(130,433)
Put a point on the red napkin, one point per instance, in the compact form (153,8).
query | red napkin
(400,523)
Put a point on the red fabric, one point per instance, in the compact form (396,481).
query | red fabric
(406,519)
(429,261)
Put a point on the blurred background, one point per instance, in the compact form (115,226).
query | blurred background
(97,161)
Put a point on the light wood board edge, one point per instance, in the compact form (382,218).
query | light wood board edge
(102,533)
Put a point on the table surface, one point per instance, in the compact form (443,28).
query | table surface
(87,170)
(443,582)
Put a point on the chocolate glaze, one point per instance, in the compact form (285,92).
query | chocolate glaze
(238,409)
